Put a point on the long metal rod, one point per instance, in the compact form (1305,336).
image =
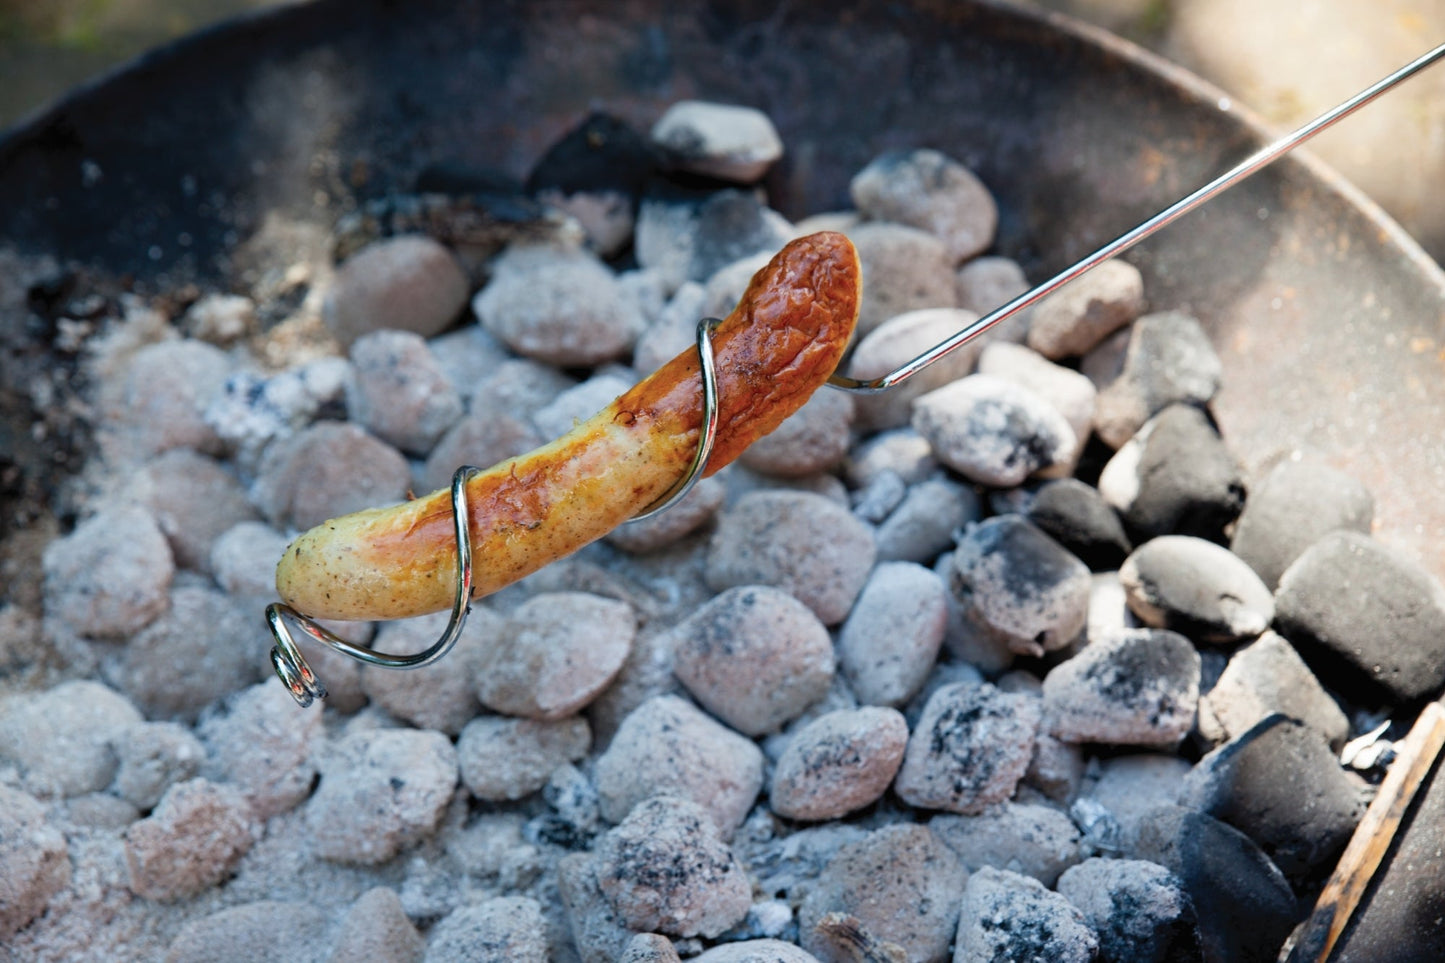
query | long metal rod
(1261,158)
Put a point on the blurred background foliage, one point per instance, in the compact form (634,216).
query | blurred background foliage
(50,46)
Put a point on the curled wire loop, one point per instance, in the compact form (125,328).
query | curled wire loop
(291,665)
(708,434)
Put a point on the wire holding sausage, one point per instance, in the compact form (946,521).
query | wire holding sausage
(289,661)
(778,346)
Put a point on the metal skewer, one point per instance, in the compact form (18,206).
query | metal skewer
(1259,159)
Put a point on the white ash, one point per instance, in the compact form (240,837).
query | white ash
(892,637)
(62,741)
(1074,319)
(159,400)
(645,673)
(884,493)
(254,746)
(328,469)
(559,306)
(577,404)
(668,745)
(194,500)
(665,868)
(153,756)
(1136,687)
(689,235)
(467,356)
(902,451)
(380,792)
(992,431)
(191,841)
(726,287)
(813,439)
(220,319)
(442,696)
(504,758)
(719,140)
(900,882)
(605,218)
(97,812)
(111,575)
(1016,585)
(1138,909)
(507,929)
(253,931)
(1057,768)
(410,283)
(1006,915)
(697,508)
(555,654)
(742,480)
(378,929)
(838,763)
(756,951)
(674,330)
(33,860)
(405,819)
(967,641)
(1028,838)
(647,290)
(769,919)
(251,411)
(755,657)
(841,221)
(1069,392)
(575,807)
(928,520)
(399,392)
(479,438)
(932,191)
(987,283)
(172,671)
(596,928)
(904,269)
(1108,606)
(802,543)
(1130,787)
(969,749)
(519,387)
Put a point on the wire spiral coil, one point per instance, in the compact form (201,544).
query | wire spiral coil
(291,665)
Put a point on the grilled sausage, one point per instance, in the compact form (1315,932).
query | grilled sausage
(773,351)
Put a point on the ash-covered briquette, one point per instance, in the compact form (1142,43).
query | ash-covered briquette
(1034,839)
(1009,916)
(896,681)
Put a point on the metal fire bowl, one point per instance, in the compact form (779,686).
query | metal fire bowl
(1327,316)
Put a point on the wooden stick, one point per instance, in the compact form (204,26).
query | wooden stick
(1316,939)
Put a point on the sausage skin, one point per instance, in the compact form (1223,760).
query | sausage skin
(776,348)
